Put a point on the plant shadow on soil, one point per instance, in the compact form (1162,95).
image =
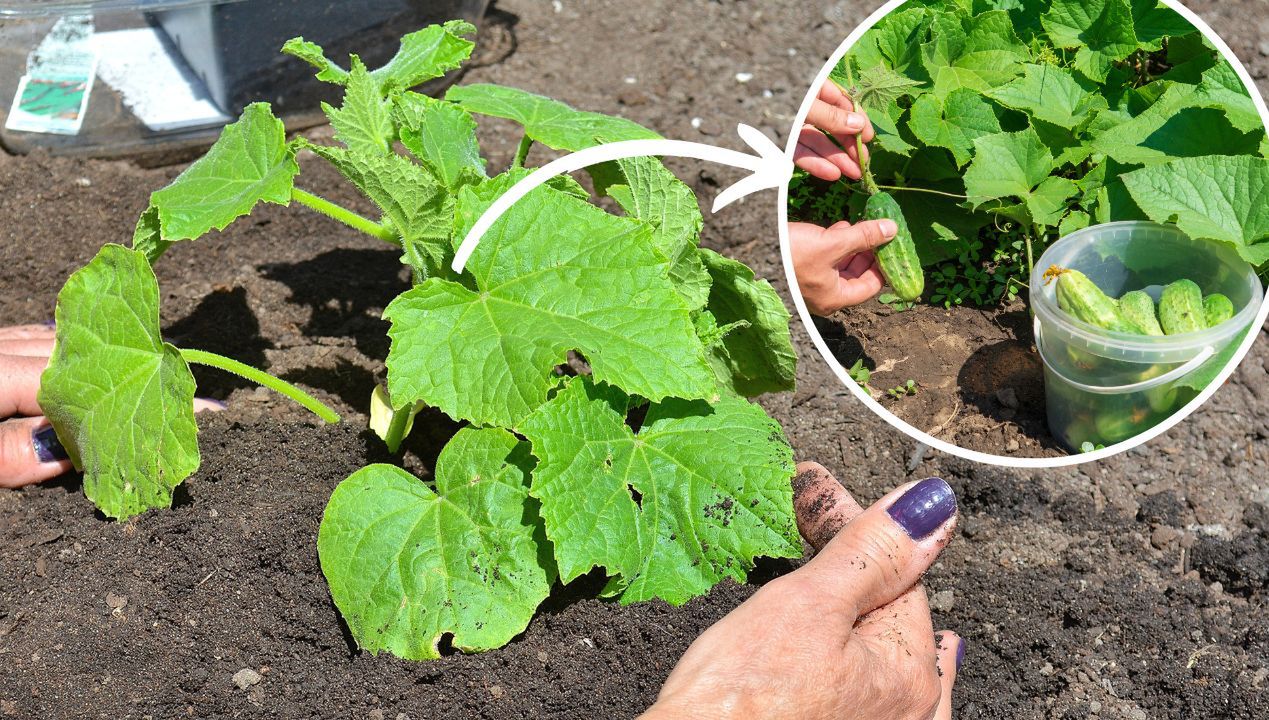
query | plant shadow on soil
(979,378)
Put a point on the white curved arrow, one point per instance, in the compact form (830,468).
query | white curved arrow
(770,169)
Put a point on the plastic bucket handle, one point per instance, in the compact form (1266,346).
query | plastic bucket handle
(1204,355)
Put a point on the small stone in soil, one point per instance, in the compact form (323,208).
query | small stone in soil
(245,678)
(376,714)
(942,601)
(116,602)
(496,691)
(1013,445)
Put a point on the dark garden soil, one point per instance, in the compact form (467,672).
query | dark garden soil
(1135,588)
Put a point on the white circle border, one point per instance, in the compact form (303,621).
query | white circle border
(924,437)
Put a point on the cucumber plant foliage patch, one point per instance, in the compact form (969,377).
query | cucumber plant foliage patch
(603,364)
(1003,125)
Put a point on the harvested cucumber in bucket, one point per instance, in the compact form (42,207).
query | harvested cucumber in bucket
(1124,317)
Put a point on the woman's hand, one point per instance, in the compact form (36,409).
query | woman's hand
(846,636)
(836,267)
(29,450)
(832,114)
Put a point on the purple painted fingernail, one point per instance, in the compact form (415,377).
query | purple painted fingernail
(47,447)
(924,508)
(960,655)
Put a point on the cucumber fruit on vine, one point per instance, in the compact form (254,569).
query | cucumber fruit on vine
(898,258)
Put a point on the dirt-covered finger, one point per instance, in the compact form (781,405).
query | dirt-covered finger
(950,648)
(19,384)
(30,452)
(822,505)
(882,553)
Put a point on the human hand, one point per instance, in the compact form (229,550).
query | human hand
(848,635)
(836,267)
(833,113)
(29,449)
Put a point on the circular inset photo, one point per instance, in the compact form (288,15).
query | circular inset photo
(1031,233)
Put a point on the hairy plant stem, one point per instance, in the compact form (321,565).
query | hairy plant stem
(345,216)
(522,152)
(396,430)
(921,190)
(220,362)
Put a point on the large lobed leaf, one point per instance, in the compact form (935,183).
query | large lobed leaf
(121,399)
(1217,198)
(554,274)
(250,163)
(1101,31)
(646,190)
(547,121)
(407,563)
(1011,166)
(690,499)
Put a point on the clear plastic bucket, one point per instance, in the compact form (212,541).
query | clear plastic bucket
(1104,387)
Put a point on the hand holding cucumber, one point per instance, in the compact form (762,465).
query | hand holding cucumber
(837,267)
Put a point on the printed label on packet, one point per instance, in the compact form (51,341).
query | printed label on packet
(53,95)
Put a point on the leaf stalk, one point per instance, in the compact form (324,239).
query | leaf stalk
(220,362)
(345,216)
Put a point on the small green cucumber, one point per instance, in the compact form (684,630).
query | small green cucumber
(1138,309)
(1181,308)
(898,258)
(1217,309)
(1081,299)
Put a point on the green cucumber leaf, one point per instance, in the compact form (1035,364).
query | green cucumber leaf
(693,497)
(1017,166)
(547,121)
(1216,198)
(121,399)
(646,190)
(364,121)
(977,53)
(1101,32)
(1153,22)
(408,564)
(147,238)
(1222,89)
(886,124)
(442,136)
(1049,93)
(424,55)
(313,54)
(756,356)
(250,163)
(485,351)
(1168,128)
(880,87)
(954,122)
(418,205)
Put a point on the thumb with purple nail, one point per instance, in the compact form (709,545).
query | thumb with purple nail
(847,635)
(30,451)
